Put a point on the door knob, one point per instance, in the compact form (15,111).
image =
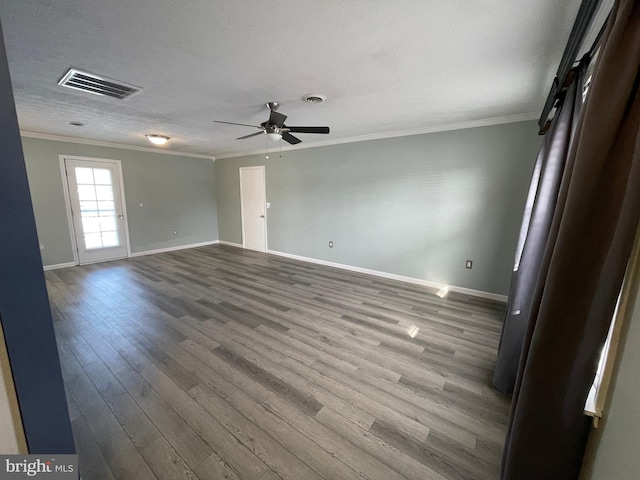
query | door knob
(261,216)
(121,216)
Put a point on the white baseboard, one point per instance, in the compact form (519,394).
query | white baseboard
(377,273)
(172,249)
(143,253)
(59,265)
(231,244)
(393,276)
(479,293)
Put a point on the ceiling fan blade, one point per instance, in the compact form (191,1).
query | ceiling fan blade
(277,119)
(233,123)
(250,135)
(309,129)
(287,137)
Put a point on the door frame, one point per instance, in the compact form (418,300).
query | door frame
(67,200)
(264,202)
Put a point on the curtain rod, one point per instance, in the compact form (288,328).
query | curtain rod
(583,21)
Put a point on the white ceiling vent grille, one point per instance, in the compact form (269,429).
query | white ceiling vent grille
(88,82)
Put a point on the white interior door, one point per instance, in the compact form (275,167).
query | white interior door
(96,201)
(253,200)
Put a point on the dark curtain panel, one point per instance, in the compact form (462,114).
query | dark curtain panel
(534,232)
(589,244)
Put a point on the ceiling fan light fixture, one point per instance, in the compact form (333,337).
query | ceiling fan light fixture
(274,136)
(157,139)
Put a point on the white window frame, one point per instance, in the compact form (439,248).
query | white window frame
(596,400)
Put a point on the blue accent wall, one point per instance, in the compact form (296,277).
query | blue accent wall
(24,305)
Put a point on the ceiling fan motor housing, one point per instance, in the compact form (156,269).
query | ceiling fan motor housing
(270,128)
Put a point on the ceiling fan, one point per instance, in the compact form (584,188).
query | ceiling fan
(275,128)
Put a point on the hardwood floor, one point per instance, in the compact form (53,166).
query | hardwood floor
(221,363)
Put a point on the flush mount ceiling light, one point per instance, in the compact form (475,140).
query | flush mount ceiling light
(157,139)
(314,98)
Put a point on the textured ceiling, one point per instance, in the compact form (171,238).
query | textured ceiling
(384,65)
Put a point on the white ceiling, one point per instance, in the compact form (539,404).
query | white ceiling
(385,65)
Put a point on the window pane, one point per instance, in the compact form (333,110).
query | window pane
(104,192)
(108,224)
(97,207)
(106,208)
(92,240)
(89,209)
(90,225)
(102,176)
(86,192)
(110,239)
(84,175)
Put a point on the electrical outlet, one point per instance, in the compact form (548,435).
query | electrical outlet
(469,264)
(175,232)
(42,247)
(330,243)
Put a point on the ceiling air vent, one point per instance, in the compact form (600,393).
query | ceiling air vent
(88,82)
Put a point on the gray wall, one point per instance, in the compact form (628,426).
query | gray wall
(612,453)
(417,206)
(177,193)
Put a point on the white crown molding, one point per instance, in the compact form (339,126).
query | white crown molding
(96,143)
(393,276)
(485,122)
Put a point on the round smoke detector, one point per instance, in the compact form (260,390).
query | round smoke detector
(314,98)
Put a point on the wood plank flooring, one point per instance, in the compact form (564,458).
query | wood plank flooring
(221,363)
